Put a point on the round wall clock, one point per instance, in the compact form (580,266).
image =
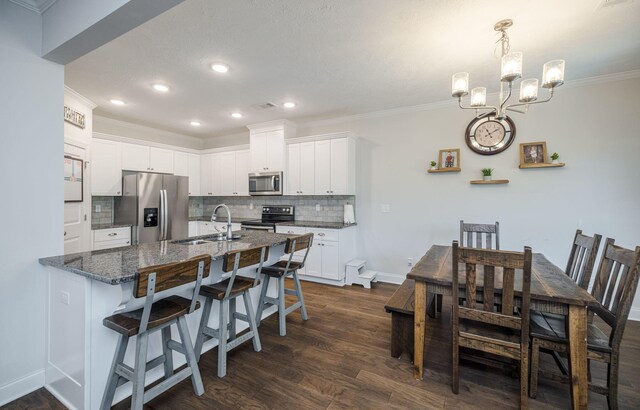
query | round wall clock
(488,135)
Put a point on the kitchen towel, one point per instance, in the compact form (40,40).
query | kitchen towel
(349,216)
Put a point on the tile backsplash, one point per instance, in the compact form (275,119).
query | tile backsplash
(105,216)
(331,207)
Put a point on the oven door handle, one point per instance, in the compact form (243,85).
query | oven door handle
(257,228)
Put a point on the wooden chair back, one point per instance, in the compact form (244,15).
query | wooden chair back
(582,258)
(508,263)
(490,232)
(299,243)
(615,287)
(242,258)
(170,275)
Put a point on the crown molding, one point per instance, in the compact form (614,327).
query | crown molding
(321,137)
(272,124)
(146,143)
(243,147)
(79,96)
(138,127)
(33,5)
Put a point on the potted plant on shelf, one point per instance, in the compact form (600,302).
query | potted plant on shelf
(433,165)
(486,174)
(554,158)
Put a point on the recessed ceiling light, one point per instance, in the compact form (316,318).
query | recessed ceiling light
(236,115)
(220,68)
(195,123)
(289,104)
(117,102)
(161,87)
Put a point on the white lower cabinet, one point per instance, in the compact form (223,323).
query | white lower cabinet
(111,238)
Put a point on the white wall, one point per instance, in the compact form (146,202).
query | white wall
(31,149)
(593,127)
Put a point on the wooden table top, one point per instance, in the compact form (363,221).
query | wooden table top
(548,282)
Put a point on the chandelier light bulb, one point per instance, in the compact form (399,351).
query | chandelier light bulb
(460,84)
(529,90)
(479,97)
(553,74)
(511,67)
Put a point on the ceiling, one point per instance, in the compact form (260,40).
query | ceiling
(336,58)
(39,6)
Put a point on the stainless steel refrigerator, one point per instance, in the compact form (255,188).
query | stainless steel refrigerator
(156,205)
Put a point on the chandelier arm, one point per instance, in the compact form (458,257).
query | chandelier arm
(510,107)
(487,107)
(505,99)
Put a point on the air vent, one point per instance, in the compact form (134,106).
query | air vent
(604,4)
(264,106)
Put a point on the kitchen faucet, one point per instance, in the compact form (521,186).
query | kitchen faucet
(214,217)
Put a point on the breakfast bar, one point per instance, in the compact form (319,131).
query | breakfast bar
(84,288)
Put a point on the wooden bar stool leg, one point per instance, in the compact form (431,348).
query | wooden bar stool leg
(535,357)
(168,353)
(204,322)
(253,327)
(303,307)
(232,319)
(196,379)
(112,381)
(263,294)
(137,394)
(282,314)
(222,342)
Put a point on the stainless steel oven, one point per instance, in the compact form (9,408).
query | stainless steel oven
(265,183)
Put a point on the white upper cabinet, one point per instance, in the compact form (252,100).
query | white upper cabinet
(340,166)
(206,174)
(193,172)
(161,160)
(258,143)
(275,150)
(144,159)
(323,167)
(106,168)
(234,173)
(181,164)
(301,169)
(267,145)
(335,167)
(243,159)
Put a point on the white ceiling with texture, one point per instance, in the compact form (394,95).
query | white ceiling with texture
(336,57)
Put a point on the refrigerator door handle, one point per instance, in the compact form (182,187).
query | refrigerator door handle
(161,238)
(166,215)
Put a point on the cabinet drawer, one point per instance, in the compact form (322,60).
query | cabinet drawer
(324,234)
(111,244)
(291,230)
(112,234)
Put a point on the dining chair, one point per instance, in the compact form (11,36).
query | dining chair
(482,326)
(280,271)
(157,315)
(582,258)
(614,288)
(225,292)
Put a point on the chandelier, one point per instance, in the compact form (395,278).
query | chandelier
(511,70)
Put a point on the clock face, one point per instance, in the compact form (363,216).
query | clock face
(488,135)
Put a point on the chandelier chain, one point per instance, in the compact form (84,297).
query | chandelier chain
(504,40)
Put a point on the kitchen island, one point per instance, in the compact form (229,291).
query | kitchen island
(84,288)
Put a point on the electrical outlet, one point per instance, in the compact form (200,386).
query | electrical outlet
(317,207)
(251,205)
(65,297)
(386,208)
(98,208)
(409,262)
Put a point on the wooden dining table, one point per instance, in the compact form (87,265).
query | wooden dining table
(551,291)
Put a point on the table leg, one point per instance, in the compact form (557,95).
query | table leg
(420,310)
(577,333)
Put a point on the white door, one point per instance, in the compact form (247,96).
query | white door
(322,167)
(194,174)
(181,164)
(106,168)
(242,172)
(331,260)
(161,160)
(293,169)
(206,173)
(228,173)
(77,228)
(258,144)
(313,265)
(307,168)
(135,157)
(339,166)
(275,150)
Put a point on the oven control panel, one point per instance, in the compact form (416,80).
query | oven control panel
(277,210)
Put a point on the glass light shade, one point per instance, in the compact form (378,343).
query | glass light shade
(479,97)
(460,84)
(529,90)
(511,67)
(553,74)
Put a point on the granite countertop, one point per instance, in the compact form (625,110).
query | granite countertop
(95,227)
(220,219)
(317,224)
(119,265)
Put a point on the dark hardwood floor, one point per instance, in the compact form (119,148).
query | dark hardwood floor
(340,359)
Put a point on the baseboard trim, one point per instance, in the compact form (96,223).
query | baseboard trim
(634,314)
(21,387)
(395,278)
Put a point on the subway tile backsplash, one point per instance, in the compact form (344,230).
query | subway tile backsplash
(105,216)
(331,207)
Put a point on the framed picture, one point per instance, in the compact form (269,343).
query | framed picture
(449,159)
(73,179)
(533,153)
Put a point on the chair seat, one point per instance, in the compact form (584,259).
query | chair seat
(162,311)
(278,269)
(498,333)
(217,290)
(552,327)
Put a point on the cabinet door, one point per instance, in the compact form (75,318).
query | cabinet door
(106,168)
(216,174)
(161,160)
(206,173)
(275,150)
(193,172)
(181,164)
(293,169)
(323,167)
(331,260)
(313,265)
(135,157)
(242,172)
(258,144)
(339,166)
(228,173)
(307,168)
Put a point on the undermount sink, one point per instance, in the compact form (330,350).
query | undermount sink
(191,242)
(206,239)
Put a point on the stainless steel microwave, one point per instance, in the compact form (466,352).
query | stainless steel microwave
(265,183)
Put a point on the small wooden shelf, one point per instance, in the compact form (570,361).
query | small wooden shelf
(435,171)
(545,165)
(493,181)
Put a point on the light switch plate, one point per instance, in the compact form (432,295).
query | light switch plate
(317,207)
(98,208)
(65,297)
(386,208)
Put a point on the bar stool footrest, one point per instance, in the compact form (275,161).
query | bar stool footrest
(162,387)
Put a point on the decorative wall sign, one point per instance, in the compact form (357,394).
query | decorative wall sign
(73,173)
(74,117)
